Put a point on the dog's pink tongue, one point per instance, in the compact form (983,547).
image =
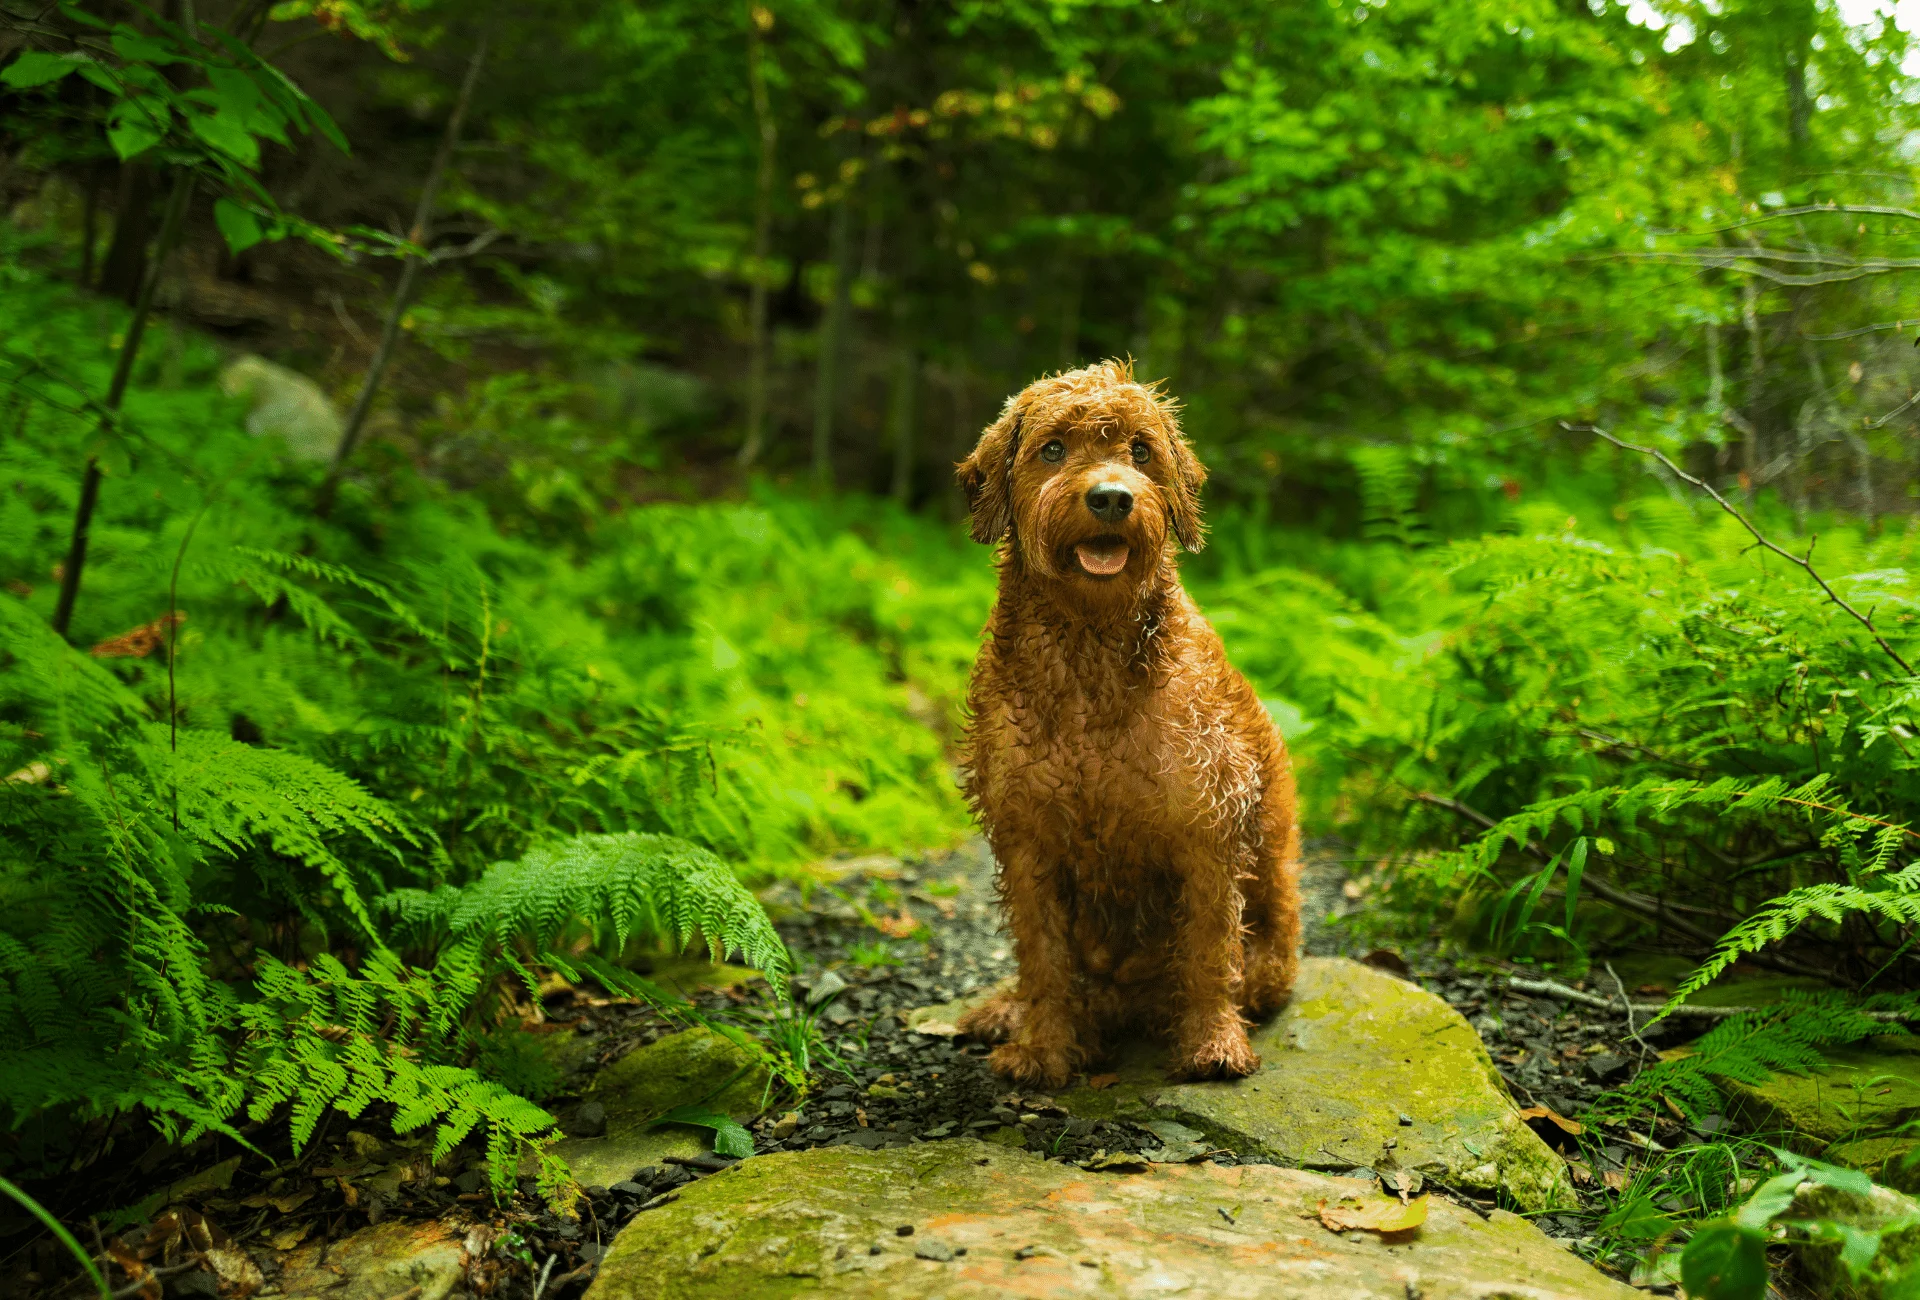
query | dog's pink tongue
(1102,560)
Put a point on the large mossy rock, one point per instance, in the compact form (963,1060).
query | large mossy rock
(1361,1070)
(287,405)
(1858,1093)
(991,1222)
(695,1065)
(1848,1110)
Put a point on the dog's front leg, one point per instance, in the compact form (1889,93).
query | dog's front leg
(1046,1048)
(1210,1037)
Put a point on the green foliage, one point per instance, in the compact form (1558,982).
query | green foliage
(729,1137)
(629,885)
(1809,1205)
(1752,1047)
(198,99)
(316,846)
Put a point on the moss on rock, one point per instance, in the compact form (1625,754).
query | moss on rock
(1355,1052)
(695,1065)
(989,1221)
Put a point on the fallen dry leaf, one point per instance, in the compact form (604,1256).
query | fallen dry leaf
(1615,1180)
(288,1238)
(141,641)
(1101,1081)
(901,925)
(1404,1183)
(1375,1214)
(1119,1162)
(1388,960)
(239,1276)
(1582,1176)
(285,1202)
(1565,1125)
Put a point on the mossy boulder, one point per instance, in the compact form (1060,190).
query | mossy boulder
(695,1065)
(1860,1093)
(285,405)
(992,1222)
(1884,1213)
(1361,1070)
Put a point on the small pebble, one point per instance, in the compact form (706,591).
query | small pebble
(904,1230)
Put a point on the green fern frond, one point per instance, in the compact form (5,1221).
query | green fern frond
(627,884)
(1896,900)
(1753,1047)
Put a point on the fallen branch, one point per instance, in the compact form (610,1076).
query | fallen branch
(1805,562)
(1553,988)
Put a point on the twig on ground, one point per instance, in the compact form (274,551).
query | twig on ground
(1805,562)
(546,1270)
(1553,988)
(1633,1031)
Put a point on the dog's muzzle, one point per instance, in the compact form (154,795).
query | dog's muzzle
(1110,502)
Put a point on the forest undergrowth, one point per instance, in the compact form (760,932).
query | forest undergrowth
(307,810)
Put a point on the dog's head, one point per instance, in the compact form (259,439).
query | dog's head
(1090,475)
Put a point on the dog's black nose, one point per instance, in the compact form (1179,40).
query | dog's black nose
(1110,502)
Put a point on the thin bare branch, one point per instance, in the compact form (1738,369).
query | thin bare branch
(1895,413)
(1804,562)
(1816,209)
(1864,329)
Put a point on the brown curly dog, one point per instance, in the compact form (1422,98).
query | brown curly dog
(1136,794)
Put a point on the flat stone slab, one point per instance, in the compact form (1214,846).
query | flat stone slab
(991,1222)
(1361,1070)
(695,1065)
(424,1260)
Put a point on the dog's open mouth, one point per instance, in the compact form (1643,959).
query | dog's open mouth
(1101,557)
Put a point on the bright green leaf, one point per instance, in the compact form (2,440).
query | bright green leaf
(1725,1262)
(135,48)
(225,132)
(239,227)
(730,1138)
(135,126)
(38,68)
(1638,1219)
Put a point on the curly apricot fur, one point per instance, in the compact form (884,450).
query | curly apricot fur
(1136,793)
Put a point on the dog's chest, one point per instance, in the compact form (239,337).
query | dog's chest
(1117,777)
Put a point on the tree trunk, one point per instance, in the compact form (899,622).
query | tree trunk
(89,225)
(902,415)
(1796,49)
(1070,291)
(125,267)
(1716,373)
(759,21)
(403,292)
(1756,381)
(833,343)
(76,561)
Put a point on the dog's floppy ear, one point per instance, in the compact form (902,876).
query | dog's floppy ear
(986,476)
(1183,493)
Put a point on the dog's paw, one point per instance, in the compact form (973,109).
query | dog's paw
(1026,1063)
(1226,1055)
(995,1020)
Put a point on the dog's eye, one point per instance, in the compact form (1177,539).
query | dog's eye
(1142,453)
(1054,452)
